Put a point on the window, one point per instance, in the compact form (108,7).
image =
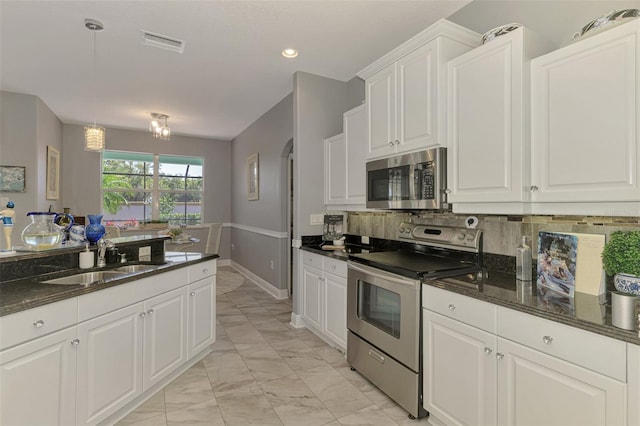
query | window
(143,187)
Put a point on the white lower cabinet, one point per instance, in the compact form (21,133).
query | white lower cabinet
(324,287)
(38,381)
(518,369)
(130,340)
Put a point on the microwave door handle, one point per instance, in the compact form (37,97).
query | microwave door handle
(381,276)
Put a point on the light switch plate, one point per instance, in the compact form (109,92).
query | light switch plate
(364,239)
(317,219)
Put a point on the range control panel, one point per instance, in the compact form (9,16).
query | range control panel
(441,236)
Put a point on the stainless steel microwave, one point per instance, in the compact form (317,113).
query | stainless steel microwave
(410,181)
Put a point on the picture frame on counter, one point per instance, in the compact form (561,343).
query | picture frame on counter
(253,177)
(12,178)
(53,173)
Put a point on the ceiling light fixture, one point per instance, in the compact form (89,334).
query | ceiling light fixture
(94,136)
(289,53)
(159,127)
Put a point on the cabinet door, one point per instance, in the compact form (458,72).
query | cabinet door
(486,121)
(584,112)
(335,170)
(165,335)
(312,288)
(535,388)
(355,134)
(459,371)
(202,315)
(335,313)
(381,112)
(38,381)
(417,114)
(109,363)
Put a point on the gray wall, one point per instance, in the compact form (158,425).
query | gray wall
(555,20)
(27,126)
(355,92)
(270,137)
(81,171)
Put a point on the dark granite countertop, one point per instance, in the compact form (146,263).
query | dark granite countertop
(587,312)
(27,293)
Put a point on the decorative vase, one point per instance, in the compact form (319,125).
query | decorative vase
(94,230)
(627,283)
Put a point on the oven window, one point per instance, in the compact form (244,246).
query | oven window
(379,307)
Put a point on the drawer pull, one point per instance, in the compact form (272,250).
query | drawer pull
(452,307)
(38,323)
(204,271)
(333,267)
(375,355)
(75,342)
(193,293)
(488,350)
(547,340)
(499,355)
(150,312)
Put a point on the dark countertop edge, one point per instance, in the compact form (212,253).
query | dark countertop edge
(606,330)
(119,242)
(67,292)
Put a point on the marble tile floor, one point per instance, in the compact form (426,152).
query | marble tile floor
(263,371)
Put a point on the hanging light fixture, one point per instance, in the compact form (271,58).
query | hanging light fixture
(94,136)
(159,127)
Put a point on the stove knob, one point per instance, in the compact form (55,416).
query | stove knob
(470,237)
(401,229)
(461,236)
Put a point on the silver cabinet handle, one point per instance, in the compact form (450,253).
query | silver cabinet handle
(143,314)
(488,350)
(534,188)
(396,142)
(390,143)
(547,340)
(375,355)
(447,191)
(75,342)
(499,355)
(38,323)
(452,307)
(150,312)
(193,293)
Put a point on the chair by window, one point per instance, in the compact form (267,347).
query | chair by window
(213,240)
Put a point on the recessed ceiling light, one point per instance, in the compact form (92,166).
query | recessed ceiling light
(289,53)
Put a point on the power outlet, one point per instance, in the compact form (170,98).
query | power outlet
(316,219)
(271,264)
(364,239)
(144,252)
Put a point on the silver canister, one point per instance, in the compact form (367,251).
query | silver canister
(623,307)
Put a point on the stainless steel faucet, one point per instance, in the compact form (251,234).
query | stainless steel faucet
(103,245)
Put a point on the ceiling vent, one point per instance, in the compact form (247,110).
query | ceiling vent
(162,42)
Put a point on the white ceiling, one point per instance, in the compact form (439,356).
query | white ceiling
(231,71)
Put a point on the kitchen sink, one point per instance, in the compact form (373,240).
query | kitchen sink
(88,278)
(136,268)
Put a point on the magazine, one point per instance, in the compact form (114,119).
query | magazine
(557,255)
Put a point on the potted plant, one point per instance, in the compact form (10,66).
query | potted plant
(621,258)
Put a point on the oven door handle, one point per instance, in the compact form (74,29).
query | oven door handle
(386,277)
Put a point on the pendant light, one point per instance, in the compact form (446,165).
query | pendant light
(94,136)
(159,127)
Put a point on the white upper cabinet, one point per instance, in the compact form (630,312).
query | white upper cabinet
(585,115)
(344,160)
(406,91)
(488,122)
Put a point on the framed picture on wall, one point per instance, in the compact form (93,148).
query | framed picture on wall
(253,177)
(12,179)
(53,173)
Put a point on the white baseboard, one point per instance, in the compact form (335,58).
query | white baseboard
(297,321)
(263,284)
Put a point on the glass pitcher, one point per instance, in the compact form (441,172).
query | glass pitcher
(42,233)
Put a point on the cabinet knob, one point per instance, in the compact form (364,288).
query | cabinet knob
(488,350)
(38,323)
(547,340)
(447,191)
(534,188)
(193,293)
(390,143)
(143,314)
(499,355)
(452,306)
(333,267)
(396,142)
(150,312)
(75,342)
(204,271)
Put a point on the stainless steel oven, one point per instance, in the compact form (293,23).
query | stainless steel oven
(384,304)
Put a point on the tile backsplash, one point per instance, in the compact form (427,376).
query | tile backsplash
(502,234)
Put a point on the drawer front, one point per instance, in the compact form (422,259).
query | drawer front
(593,351)
(26,325)
(202,270)
(334,266)
(311,259)
(474,312)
